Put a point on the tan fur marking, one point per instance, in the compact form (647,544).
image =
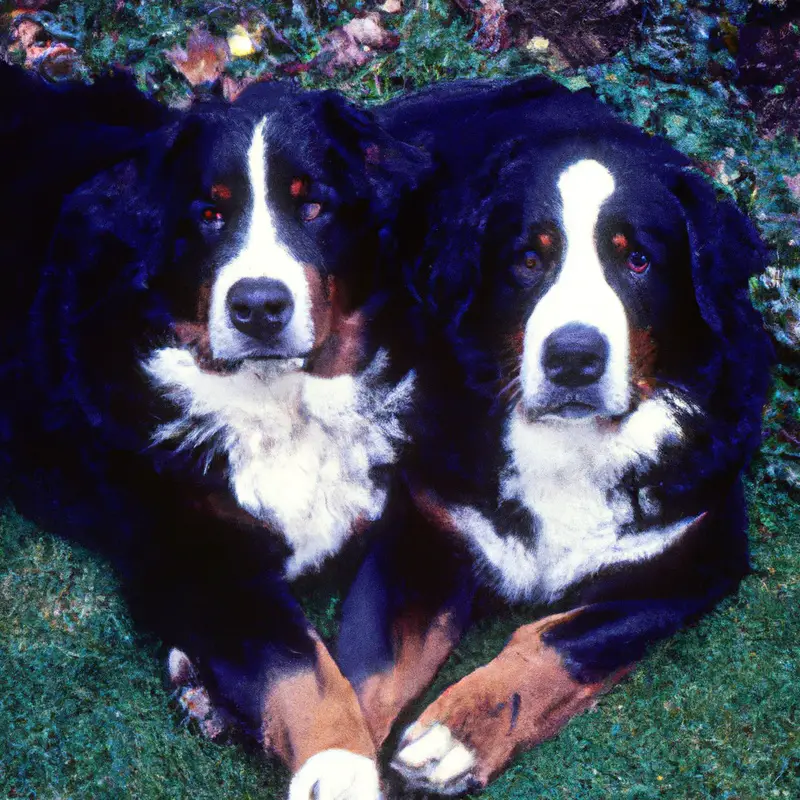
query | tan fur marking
(194,333)
(643,354)
(220,191)
(519,699)
(314,710)
(338,332)
(420,647)
(435,511)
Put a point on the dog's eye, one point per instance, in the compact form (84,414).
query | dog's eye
(638,262)
(529,267)
(532,260)
(635,260)
(212,217)
(310,211)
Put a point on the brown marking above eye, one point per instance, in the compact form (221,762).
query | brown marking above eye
(546,241)
(620,242)
(298,187)
(219,191)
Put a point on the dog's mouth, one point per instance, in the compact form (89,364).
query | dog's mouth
(572,409)
(569,410)
(335,354)
(194,337)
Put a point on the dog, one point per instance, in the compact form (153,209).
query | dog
(191,385)
(590,382)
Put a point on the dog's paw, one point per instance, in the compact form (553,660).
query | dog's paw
(336,775)
(431,759)
(192,696)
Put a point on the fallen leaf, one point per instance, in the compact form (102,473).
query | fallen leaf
(233,87)
(240,43)
(203,60)
(55,60)
(27,34)
(490,23)
(353,45)
(60,62)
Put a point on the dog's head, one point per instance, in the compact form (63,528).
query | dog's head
(277,207)
(579,270)
(578,276)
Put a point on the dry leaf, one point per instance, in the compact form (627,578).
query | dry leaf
(240,43)
(392,6)
(26,35)
(204,59)
(490,18)
(60,62)
(233,87)
(55,60)
(353,45)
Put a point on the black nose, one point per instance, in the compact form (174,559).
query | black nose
(260,307)
(575,355)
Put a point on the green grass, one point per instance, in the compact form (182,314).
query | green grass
(84,711)
(712,713)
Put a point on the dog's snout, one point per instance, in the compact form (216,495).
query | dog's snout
(260,307)
(575,355)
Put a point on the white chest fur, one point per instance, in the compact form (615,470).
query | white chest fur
(566,474)
(300,449)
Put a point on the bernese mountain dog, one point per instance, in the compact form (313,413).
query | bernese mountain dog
(591,377)
(190,383)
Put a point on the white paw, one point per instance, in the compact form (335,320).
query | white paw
(192,696)
(433,760)
(336,775)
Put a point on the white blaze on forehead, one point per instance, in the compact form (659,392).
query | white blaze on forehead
(581,293)
(262,255)
(584,187)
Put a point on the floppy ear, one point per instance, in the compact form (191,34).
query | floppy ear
(391,166)
(447,273)
(726,250)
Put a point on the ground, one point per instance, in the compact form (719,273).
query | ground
(714,712)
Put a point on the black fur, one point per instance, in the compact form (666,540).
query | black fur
(111,253)
(499,148)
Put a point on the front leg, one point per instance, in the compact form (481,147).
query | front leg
(471,732)
(313,722)
(254,658)
(405,612)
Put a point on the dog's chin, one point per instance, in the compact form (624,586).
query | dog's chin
(264,362)
(569,410)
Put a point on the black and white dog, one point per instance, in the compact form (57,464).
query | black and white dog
(590,378)
(189,379)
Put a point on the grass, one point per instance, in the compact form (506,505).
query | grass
(712,713)
(84,712)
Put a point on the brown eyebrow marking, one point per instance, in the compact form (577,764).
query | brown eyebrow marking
(546,241)
(620,241)
(298,187)
(219,191)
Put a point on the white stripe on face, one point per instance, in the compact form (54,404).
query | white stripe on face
(580,293)
(262,256)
